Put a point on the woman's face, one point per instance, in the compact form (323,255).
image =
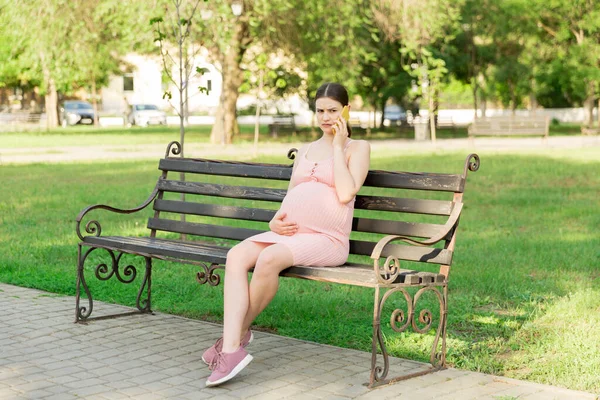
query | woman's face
(328,112)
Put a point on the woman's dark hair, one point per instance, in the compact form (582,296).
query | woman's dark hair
(336,92)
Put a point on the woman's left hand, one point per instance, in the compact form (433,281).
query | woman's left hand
(341,132)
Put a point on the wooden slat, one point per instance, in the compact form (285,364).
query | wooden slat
(415,181)
(359,275)
(213,189)
(402,180)
(256,214)
(404,252)
(413,206)
(191,228)
(214,210)
(401,228)
(162,247)
(225,168)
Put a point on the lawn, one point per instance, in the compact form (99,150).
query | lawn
(525,283)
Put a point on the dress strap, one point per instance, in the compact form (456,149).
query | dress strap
(348,143)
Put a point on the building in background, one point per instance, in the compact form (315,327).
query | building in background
(145,83)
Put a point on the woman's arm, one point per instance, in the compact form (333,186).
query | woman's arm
(350,174)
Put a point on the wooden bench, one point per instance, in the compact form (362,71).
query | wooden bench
(510,126)
(357,125)
(20,120)
(445,122)
(223,196)
(282,123)
(585,130)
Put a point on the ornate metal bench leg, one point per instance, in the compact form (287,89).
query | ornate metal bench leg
(378,373)
(438,359)
(144,305)
(82,313)
(124,274)
(400,321)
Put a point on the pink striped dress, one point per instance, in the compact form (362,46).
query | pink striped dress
(324,224)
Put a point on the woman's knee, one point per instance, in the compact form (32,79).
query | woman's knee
(239,257)
(273,260)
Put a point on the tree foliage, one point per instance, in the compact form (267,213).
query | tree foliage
(518,53)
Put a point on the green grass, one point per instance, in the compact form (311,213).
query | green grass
(524,289)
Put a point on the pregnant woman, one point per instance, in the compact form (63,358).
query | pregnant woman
(312,227)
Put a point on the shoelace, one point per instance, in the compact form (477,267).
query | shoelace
(217,362)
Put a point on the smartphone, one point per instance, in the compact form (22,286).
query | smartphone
(345,115)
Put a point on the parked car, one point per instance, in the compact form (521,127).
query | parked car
(75,112)
(146,114)
(394,115)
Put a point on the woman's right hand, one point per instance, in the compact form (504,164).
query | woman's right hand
(281,227)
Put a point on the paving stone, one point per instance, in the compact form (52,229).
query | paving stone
(158,357)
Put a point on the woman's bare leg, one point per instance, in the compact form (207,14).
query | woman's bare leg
(265,280)
(240,259)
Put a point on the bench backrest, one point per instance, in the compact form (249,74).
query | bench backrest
(510,125)
(284,120)
(228,200)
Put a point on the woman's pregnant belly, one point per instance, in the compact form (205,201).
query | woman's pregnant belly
(315,207)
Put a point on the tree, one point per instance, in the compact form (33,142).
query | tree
(420,26)
(382,74)
(65,51)
(573,29)
(175,35)
(312,38)
(45,49)
(104,33)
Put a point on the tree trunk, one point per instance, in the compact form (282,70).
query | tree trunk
(513,97)
(232,79)
(51,97)
(533,103)
(588,104)
(431,109)
(94,102)
(257,120)
(218,128)
(598,113)
(475,105)
(51,100)
(482,95)
(383,101)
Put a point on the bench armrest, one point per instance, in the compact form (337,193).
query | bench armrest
(93,227)
(391,268)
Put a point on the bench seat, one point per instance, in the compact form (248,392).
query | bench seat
(349,273)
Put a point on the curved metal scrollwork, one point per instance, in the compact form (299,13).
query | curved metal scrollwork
(388,273)
(208,274)
(292,153)
(104,272)
(173,148)
(400,320)
(471,163)
(93,227)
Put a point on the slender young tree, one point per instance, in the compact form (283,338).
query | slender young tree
(173,30)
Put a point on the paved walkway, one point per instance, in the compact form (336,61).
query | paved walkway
(44,355)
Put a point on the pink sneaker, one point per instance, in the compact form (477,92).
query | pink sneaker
(210,354)
(227,365)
